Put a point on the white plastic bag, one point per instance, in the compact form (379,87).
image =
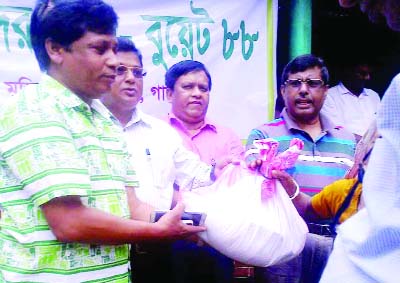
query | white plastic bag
(244,227)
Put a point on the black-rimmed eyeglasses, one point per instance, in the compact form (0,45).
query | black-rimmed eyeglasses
(137,72)
(310,83)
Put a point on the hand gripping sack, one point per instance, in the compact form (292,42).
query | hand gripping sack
(243,222)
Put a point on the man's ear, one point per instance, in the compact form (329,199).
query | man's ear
(282,90)
(55,51)
(326,91)
(169,95)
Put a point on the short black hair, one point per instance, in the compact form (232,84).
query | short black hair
(182,68)
(305,62)
(67,21)
(126,45)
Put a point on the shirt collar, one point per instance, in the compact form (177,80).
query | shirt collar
(137,115)
(102,109)
(326,123)
(173,120)
(63,95)
(343,90)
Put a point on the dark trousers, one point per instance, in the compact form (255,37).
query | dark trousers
(305,268)
(152,263)
(200,264)
(179,262)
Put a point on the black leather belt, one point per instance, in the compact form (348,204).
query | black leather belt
(320,229)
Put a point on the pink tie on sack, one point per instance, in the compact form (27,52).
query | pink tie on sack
(268,153)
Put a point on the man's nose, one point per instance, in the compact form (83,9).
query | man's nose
(197,91)
(303,87)
(112,60)
(367,77)
(129,76)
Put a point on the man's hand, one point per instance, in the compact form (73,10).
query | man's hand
(173,228)
(302,202)
(255,164)
(286,180)
(223,162)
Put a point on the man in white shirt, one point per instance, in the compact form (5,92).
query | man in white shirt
(157,150)
(350,104)
(160,158)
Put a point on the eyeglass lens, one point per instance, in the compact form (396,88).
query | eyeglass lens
(136,72)
(311,83)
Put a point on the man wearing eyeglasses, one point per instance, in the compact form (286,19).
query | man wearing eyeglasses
(329,149)
(349,103)
(160,159)
(327,155)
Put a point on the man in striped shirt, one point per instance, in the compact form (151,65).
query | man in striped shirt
(328,148)
(327,155)
(67,196)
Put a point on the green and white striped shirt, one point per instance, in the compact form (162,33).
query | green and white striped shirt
(53,144)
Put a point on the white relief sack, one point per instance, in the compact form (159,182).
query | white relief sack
(243,225)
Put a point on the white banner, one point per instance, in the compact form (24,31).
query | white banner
(234,39)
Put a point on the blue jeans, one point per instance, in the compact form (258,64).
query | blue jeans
(305,268)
